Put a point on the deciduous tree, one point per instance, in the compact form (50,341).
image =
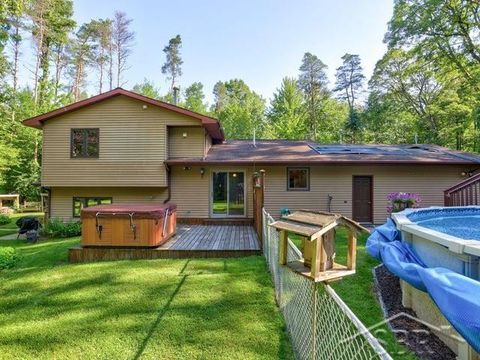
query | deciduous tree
(286,115)
(242,112)
(195,97)
(147,88)
(445,31)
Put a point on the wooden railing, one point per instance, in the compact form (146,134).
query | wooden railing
(464,193)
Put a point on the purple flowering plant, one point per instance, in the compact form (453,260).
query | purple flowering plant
(398,201)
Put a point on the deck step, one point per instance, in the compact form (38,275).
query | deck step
(213,221)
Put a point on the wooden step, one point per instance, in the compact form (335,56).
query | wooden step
(215,221)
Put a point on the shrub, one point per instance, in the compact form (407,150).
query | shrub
(62,229)
(8,257)
(4,219)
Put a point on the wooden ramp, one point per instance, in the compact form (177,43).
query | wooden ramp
(191,241)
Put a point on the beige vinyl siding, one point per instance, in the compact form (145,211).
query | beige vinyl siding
(428,181)
(62,197)
(193,145)
(133,145)
(191,192)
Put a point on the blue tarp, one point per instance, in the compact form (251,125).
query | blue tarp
(457,296)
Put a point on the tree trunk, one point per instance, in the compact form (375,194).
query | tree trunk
(119,64)
(35,152)
(45,66)
(100,80)
(37,64)
(16,55)
(58,68)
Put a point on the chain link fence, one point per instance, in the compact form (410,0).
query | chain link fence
(321,326)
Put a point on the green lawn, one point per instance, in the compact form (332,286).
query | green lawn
(163,309)
(220,207)
(357,292)
(11,228)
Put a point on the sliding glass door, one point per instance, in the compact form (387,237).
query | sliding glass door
(228,193)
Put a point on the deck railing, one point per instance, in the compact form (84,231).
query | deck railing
(464,193)
(320,324)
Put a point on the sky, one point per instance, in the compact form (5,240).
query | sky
(258,41)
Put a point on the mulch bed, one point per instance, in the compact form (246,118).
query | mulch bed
(416,336)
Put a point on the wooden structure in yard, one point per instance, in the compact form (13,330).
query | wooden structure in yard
(11,200)
(317,230)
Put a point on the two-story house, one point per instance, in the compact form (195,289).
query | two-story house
(123,147)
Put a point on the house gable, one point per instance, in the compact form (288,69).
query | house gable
(133,144)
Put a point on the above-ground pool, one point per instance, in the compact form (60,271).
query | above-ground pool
(463,222)
(444,236)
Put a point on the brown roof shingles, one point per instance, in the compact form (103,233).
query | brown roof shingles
(303,152)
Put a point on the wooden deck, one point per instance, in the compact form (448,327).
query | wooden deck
(213,237)
(191,241)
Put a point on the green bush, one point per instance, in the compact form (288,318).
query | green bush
(62,229)
(8,257)
(4,219)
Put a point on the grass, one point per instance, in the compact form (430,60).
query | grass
(220,207)
(168,309)
(11,228)
(357,291)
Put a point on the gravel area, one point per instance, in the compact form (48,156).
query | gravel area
(416,336)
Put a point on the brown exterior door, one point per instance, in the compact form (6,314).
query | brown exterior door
(362,199)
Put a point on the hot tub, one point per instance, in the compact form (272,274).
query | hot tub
(128,225)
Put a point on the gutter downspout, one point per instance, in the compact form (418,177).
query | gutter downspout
(169,189)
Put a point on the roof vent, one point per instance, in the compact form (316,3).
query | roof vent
(421,147)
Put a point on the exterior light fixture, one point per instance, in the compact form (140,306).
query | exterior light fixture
(145,107)
(256,180)
(186,168)
(202,171)
(184,134)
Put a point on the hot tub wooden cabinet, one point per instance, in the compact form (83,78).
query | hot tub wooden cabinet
(128,225)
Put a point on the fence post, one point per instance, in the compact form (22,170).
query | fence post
(314,322)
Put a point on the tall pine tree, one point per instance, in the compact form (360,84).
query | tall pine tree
(313,81)
(172,67)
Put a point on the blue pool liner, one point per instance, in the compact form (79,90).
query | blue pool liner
(457,296)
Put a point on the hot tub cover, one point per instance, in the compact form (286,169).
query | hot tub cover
(144,211)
